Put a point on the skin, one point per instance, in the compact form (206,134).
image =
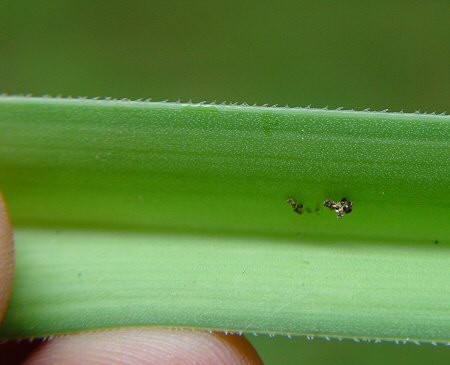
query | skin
(137,346)
(6,257)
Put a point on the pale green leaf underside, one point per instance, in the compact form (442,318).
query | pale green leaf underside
(73,280)
(131,213)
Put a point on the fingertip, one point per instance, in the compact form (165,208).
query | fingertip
(145,346)
(246,352)
(6,257)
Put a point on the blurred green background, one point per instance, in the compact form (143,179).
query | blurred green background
(351,54)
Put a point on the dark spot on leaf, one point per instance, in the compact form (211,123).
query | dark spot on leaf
(297,207)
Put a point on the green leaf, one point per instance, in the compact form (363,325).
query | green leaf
(138,213)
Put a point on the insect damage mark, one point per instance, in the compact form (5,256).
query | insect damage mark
(345,206)
(298,208)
